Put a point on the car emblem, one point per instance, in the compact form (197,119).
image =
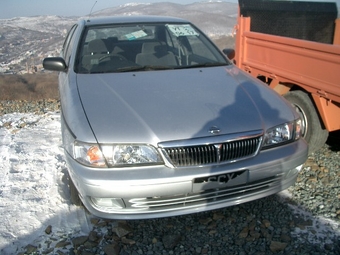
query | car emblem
(214,130)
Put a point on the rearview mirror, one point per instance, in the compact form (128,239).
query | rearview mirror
(230,53)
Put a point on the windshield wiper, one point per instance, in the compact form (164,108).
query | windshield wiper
(207,64)
(142,68)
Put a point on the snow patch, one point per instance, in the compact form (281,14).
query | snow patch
(33,186)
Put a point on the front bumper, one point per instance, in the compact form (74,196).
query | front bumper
(160,191)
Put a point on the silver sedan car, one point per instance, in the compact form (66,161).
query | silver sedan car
(157,122)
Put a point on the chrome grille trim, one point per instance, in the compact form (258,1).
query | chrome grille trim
(217,152)
(204,197)
(189,156)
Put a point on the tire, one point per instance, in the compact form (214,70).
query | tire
(312,130)
(74,194)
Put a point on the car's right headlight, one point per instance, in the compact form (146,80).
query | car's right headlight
(115,155)
(110,155)
(119,155)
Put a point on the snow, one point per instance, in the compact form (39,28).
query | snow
(40,23)
(321,231)
(34,192)
(134,4)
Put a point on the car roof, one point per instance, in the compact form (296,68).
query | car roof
(130,19)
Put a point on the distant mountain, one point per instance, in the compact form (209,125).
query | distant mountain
(214,18)
(25,41)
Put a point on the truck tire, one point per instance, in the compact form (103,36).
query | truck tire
(312,130)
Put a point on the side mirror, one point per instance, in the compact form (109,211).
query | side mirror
(55,64)
(230,53)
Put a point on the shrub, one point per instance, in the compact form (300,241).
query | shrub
(29,86)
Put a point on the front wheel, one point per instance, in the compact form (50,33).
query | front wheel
(312,130)
(75,199)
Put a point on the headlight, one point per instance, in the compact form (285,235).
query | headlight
(284,133)
(116,155)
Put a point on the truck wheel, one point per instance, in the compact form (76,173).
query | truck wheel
(312,129)
(74,193)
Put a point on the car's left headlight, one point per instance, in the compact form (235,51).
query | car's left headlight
(115,155)
(284,133)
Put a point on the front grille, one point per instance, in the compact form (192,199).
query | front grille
(213,153)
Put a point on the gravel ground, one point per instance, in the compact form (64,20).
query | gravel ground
(39,107)
(303,220)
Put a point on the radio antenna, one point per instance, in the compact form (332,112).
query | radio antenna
(91,11)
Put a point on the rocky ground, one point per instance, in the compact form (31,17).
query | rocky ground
(303,220)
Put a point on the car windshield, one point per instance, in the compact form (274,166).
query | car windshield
(138,47)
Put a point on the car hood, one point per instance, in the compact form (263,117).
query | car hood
(154,106)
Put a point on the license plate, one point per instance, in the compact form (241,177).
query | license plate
(220,181)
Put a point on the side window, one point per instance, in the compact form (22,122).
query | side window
(68,44)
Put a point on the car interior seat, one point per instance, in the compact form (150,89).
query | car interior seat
(96,51)
(156,53)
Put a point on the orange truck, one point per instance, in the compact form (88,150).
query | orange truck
(294,47)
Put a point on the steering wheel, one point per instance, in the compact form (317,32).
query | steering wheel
(113,57)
